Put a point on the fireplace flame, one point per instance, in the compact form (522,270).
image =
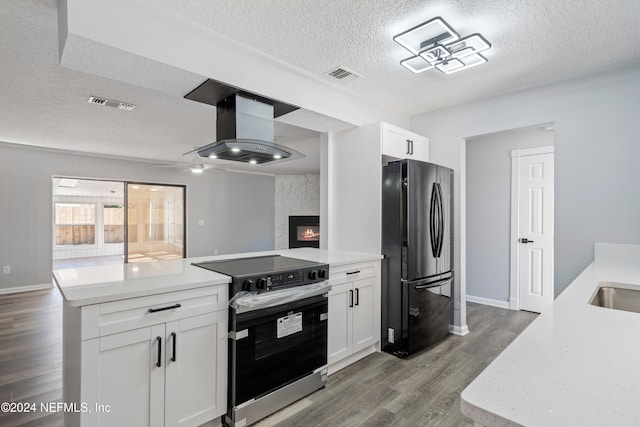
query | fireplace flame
(310,234)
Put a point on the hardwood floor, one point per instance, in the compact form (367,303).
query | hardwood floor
(380,390)
(31,355)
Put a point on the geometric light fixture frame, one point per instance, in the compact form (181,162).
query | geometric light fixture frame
(436,45)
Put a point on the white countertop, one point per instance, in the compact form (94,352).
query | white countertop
(575,365)
(93,285)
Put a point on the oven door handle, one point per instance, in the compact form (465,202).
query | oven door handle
(244,302)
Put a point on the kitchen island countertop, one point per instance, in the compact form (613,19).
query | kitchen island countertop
(576,364)
(103,283)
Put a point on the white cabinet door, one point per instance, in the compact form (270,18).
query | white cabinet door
(195,386)
(419,148)
(340,331)
(402,144)
(364,319)
(121,374)
(395,142)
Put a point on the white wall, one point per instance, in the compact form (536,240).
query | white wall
(488,208)
(294,195)
(237,208)
(597,197)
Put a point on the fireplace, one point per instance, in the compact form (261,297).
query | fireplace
(304,232)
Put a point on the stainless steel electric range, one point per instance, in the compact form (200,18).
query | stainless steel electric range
(278,314)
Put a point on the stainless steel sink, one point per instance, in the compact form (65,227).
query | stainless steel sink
(618,296)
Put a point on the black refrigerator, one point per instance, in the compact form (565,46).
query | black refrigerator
(417,269)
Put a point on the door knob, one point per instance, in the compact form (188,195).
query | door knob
(525,240)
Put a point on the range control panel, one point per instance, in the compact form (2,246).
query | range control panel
(281,280)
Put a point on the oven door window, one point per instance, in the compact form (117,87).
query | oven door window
(284,343)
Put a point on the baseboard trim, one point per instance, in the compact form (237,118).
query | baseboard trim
(459,330)
(489,301)
(17,289)
(514,304)
(336,366)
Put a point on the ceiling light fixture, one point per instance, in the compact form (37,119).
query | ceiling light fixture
(435,45)
(197,168)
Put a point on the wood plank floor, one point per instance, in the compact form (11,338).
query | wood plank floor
(380,390)
(31,355)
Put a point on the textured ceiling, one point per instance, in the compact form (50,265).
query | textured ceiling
(535,42)
(44,104)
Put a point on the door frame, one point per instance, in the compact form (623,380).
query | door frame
(126,214)
(514,283)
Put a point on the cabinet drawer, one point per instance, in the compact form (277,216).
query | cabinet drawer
(118,316)
(350,272)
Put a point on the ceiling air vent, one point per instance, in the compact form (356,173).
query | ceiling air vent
(111,103)
(342,73)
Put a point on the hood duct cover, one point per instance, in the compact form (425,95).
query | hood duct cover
(244,126)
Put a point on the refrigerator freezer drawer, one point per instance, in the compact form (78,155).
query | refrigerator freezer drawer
(427,316)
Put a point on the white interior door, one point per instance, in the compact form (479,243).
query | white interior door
(533,240)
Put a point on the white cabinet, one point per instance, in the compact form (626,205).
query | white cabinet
(118,373)
(195,382)
(399,143)
(354,188)
(135,367)
(340,320)
(363,322)
(354,313)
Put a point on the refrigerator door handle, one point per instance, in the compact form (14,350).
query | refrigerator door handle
(429,281)
(436,220)
(434,284)
(440,220)
(432,220)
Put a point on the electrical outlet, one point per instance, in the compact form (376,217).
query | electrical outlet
(6,269)
(201,222)
(391,334)
(215,252)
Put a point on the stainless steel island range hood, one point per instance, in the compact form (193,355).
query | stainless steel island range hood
(244,126)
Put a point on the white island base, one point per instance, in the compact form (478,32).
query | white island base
(146,344)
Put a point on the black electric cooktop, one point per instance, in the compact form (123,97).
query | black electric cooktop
(268,272)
